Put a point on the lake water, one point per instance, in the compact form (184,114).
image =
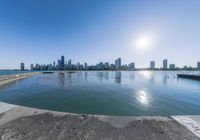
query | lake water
(10,72)
(107,93)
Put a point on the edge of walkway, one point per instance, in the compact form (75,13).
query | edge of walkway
(19,122)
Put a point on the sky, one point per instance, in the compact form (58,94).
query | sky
(40,31)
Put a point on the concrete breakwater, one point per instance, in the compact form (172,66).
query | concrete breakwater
(189,76)
(23,123)
(11,78)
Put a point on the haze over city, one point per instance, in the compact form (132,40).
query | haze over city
(99,30)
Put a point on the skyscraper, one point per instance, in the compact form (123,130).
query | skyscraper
(32,67)
(152,65)
(62,62)
(59,65)
(70,64)
(22,66)
(165,65)
(54,64)
(78,66)
(85,66)
(198,65)
(118,64)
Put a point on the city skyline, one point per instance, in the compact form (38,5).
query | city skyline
(68,64)
(99,30)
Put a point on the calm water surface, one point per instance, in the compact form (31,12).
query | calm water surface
(108,93)
(10,72)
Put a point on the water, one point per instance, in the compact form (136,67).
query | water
(10,72)
(107,93)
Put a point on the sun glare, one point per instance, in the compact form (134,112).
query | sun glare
(143,97)
(143,42)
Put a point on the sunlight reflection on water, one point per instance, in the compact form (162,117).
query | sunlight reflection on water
(142,97)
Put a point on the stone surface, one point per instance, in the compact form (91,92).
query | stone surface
(192,123)
(22,123)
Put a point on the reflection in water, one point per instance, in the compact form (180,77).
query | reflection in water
(69,79)
(146,74)
(106,75)
(61,79)
(85,75)
(103,75)
(142,97)
(132,75)
(118,76)
(100,75)
(152,79)
(165,77)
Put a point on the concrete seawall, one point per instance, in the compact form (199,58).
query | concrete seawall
(189,76)
(23,123)
(11,78)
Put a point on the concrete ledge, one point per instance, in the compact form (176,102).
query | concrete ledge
(23,123)
(192,123)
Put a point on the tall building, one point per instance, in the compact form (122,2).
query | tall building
(62,62)
(131,66)
(85,66)
(22,66)
(198,65)
(165,65)
(172,66)
(152,65)
(106,66)
(70,64)
(118,64)
(101,66)
(32,67)
(59,65)
(54,64)
(112,66)
(78,66)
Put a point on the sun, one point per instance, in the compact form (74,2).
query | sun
(143,42)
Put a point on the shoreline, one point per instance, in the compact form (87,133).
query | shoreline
(19,122)
(5,79)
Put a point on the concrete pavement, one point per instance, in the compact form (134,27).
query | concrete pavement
(23,123)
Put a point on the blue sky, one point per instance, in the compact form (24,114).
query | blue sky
(40,31)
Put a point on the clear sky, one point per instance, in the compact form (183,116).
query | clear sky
(40,31)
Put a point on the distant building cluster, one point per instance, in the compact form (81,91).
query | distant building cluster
(117,65)
(68,65)
(165,65)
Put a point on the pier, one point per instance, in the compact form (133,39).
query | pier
(5,79)
(189,76)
